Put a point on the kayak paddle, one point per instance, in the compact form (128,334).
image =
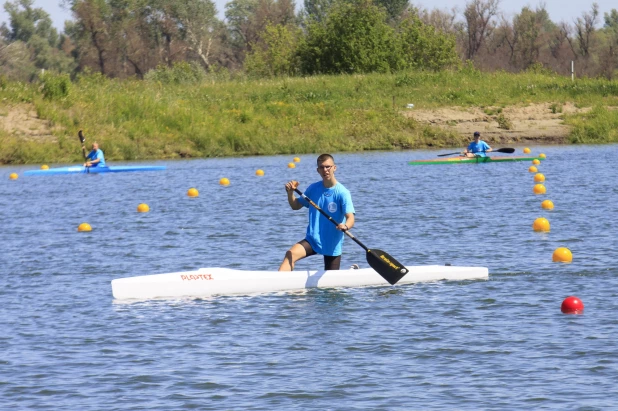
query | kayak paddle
(82,139)
(385,265)
(500,150)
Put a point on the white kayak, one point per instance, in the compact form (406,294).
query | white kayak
(207,282)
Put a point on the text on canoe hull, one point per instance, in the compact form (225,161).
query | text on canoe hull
(191,277)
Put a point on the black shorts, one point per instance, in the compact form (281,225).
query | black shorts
(330,262)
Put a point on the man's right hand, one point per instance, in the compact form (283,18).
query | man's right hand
(291,185)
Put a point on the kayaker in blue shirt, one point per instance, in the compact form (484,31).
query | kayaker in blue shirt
(322,236)
(95,158)
(477,148)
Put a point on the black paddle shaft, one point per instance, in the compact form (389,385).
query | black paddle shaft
(383,263)
(500,150)
(82,140)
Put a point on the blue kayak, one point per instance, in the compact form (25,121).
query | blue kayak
(91,170)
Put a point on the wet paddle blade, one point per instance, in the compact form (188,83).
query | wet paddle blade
(385,265)
(505,150)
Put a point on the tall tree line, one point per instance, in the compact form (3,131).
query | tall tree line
(130,38)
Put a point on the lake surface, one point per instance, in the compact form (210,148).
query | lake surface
(65,344)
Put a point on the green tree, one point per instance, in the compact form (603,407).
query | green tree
(611,20)
(27,21)
(247,19)
(120,38)
(479,25)
(585,30)
(424,47)
(199,27)
(32,28)
(16,62)
(530,32)
(277,52)
(609,41)
(354,38)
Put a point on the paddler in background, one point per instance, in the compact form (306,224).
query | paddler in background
(477,148)
(95,158)
(322,236)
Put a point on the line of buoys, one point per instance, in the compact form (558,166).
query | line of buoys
(144,208)
(571,304)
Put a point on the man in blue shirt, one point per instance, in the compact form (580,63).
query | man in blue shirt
(322,236)
(478,147)
(95,158)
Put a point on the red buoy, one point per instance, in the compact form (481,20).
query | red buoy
(572,305)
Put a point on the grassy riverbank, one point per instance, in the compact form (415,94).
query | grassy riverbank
(138,120)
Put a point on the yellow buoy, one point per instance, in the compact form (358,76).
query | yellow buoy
(542,156)
(526,150)
(297,159)
(143,208)
(13,176)
(44,167)
(291,165)
(259,173)
(539,178)
(562,255)
(193,192)
(533,169)
(547,205)
(541,224)
(224,182)
(536,162)
(539,189)
(84,227)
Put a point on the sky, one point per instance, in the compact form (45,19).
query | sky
(559,10)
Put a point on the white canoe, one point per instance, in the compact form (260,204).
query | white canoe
(223,281)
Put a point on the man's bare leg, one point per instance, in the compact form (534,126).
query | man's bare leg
(297,252)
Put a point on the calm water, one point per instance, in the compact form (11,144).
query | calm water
(498,344)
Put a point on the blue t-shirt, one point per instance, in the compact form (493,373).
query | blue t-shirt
(322,234)
(93,155)
(478,149)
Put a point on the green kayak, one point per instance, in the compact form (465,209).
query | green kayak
(461,160)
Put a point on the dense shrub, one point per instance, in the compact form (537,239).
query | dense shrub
(55,86)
